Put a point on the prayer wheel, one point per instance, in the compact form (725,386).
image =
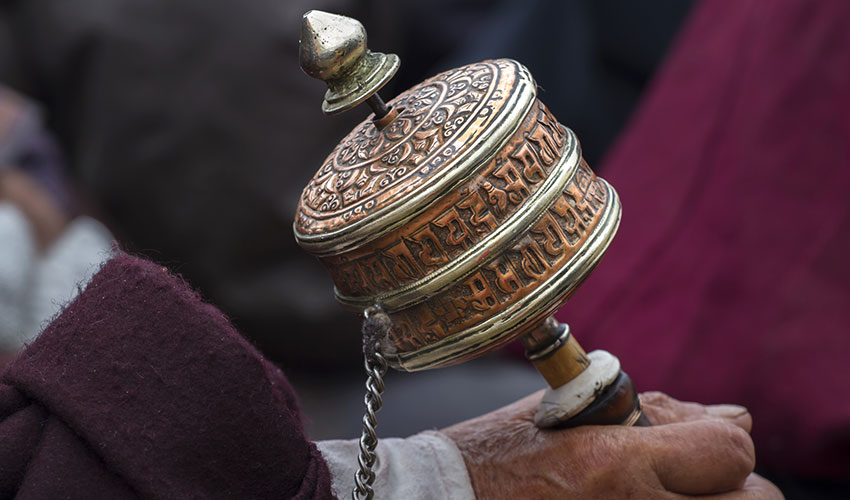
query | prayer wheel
(464,210)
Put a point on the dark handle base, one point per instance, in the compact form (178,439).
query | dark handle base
(617,404)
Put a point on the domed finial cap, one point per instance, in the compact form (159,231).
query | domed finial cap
(333,49)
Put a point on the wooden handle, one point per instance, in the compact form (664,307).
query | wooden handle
(574,380)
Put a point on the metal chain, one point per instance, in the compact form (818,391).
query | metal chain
(376,368)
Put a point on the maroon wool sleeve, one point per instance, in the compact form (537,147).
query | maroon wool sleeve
(141,390)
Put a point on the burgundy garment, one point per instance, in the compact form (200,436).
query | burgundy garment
(141,390)
(729,280)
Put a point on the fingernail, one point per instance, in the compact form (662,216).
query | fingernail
(726,411)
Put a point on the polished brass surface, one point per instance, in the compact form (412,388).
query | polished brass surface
(496,231)
(635,417)
(477,320)
(333,49)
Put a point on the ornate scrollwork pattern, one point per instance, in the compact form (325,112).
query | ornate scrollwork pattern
(438,121)
(462,218)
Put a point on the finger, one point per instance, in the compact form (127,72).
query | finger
(662,409)
(700,457)
(735,414)
(755,488)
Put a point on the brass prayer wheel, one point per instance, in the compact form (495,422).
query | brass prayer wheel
(463,208)
(469,218)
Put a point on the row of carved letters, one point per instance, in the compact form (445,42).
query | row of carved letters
(513,274)
(476,214)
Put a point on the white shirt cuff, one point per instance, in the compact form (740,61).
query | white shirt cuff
(427,466)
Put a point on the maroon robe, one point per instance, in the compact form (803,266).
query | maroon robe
(729,280)
(141,390)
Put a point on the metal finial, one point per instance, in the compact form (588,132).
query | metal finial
(333,49)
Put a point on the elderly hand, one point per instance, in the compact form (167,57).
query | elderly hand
(691,450)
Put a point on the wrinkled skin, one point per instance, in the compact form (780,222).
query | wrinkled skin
(691,450)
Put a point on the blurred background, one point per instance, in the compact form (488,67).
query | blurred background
(185,130)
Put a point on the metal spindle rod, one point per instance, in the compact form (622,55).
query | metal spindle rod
(379,107)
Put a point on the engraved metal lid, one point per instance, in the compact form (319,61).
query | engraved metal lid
(446,127)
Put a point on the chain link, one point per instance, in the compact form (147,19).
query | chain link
(376,368)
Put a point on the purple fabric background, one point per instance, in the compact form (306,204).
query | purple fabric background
(729,280)
(141,390)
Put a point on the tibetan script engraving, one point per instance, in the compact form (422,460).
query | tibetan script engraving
(544,249)
(464,216)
